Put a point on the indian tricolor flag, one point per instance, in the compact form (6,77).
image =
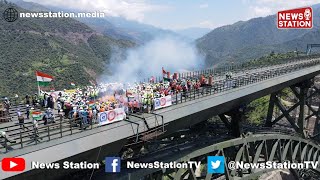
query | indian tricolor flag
(91,104)
(72,84)
(36,115)
(43,79)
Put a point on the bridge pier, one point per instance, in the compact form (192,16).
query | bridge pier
(234,124)
(300,91)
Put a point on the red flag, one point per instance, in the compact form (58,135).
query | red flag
(163,71)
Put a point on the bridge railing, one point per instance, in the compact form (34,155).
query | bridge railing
(28,134)
(236,67)
(239,81)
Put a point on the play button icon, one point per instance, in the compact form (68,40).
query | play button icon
(13,164)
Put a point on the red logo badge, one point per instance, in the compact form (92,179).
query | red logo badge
(111,115)
(13,164)
(296,18)
(163,101)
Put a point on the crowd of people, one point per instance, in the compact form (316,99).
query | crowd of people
(84,105)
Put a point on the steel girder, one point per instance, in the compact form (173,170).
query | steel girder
(251,148)
(301,94)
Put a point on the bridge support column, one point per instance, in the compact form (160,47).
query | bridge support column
(234,124)
(312,111)
(316,124)
(300,91)
(302,102)
(273,98)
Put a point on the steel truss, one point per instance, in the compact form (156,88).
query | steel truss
(258,148)
(303,92)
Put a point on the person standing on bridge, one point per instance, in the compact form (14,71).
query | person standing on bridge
(49,115)
(35,129)
(20,118)
(34,99)
(50,102)
(229,75)
(90,115)
(4,135)
(6,103)
(45,100)
(94,114)
(27,99)
(85,115)
(59,107)
(16,98)
(27,111)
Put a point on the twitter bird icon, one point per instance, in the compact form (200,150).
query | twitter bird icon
(215,164)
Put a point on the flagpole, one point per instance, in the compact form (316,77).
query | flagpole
(38,88)
(38,84)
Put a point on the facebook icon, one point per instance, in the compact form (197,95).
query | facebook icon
(113,164)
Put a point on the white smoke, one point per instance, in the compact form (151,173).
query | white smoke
(173,54)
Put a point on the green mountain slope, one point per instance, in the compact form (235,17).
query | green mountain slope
(245,40)
(62,47)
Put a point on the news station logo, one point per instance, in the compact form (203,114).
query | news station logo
(113,164)
(295,18)
(13,164)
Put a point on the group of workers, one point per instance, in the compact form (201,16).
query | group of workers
(84,105)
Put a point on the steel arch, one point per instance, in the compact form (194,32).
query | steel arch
(251,148)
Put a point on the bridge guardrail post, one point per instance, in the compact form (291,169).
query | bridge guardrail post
(91,121)
(185,96)
(6,144)
(35,133)
(21,144)
(81,123)
(48,129)
(70,122)
(60,126)
(198,93)
(176,97)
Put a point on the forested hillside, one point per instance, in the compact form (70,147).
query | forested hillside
(63,47)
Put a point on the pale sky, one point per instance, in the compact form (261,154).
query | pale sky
(180,14)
